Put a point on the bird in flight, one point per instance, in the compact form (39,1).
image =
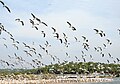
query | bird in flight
(4,6)
(8,9)
(96,30)
(70,26)
(54,30)
(20,21)
(43,33)
(33,16)
(2,2)
(119,31)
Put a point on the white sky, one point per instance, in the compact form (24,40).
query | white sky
(85,15)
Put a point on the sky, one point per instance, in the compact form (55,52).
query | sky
(84,15)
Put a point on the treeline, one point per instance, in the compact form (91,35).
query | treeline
(69,68)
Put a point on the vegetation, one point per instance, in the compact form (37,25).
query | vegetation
(69,68)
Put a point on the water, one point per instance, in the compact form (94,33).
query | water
(115,81)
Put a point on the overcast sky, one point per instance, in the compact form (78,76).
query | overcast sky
(84,15)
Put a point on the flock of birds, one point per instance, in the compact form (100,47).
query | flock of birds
(34,54)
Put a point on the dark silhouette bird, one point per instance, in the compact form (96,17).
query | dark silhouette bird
(40,55)
(57,35)
(101,35)
(15,46)
(43,33)
(69,24)
(5,45)
(12,39)
(20,21)
(44,23)
(108,61)
(7,8)
(108,41)
(118,31)
(33,16)
(118,59)
(0,31)
(64,36)
(47,44)
(38,20)
(76,39)
(102,54)
(61,40)
(96,30)
(110,55)
(36,27)
(54,30)
(100,48)
(73,28)
(84,38)
(2,2)
(104,45)
(84,59)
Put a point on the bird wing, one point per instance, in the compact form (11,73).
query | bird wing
(2,2)
(7,9)
(44,23)
(69,24)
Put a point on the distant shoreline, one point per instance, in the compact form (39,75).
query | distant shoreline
(57,81)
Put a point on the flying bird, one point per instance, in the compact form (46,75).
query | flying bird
(2,2)
(5,45)
(73,28)
(44,23)
(96,30)
(33,16)
(0,31)
(69,24)
(43,33)
(20,21)
(57,35)
(61,41)
(7,8)
(54,30)
(38,20)
(118,31)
